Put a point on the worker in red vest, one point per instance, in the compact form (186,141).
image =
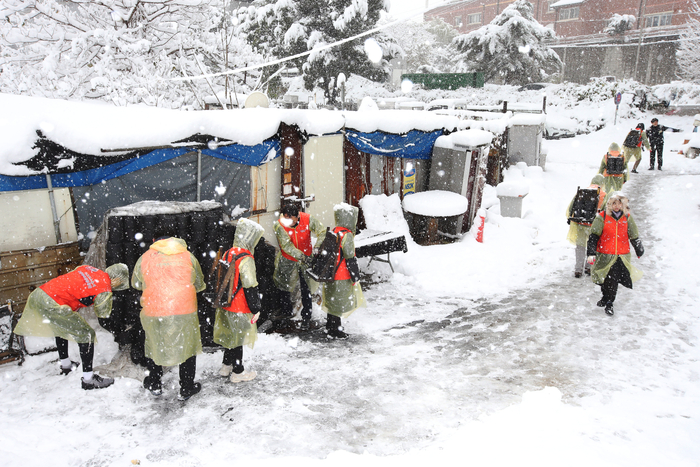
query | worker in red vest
(609,249)
(51,311)
(238,302)
(169,277)
(294,232)
(344,295)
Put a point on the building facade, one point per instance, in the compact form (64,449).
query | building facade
(645,52)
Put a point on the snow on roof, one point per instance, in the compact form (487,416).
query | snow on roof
(528,119)
(90,127)
(464,138)
(562,3)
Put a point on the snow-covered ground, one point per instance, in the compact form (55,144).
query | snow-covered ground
(483,353)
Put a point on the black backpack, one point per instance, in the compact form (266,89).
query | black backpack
(585,206)
(633,139)
(615,165)
(326,262)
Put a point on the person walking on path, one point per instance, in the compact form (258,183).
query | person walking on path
(293,231)
(656,142)
(609,249)
(238,302)
(343,295)
(170,277)
(579,231)
(634,142)
(51,311)
(614,168)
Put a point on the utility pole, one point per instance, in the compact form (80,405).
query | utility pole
(642,9)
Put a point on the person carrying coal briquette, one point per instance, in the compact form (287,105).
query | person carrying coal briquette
(655,133)
(343,295)
(169,277)
(579,230)
(609,249)
(614,168)
(52,311)
(634,142)
(293,231)
(238,302)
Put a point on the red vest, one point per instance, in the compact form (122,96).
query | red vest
(85,281)
(300,235)
(239,304)
(614,239)
(341,273)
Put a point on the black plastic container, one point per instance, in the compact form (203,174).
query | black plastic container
(132,252)
(182,222)
(115,229)
(147,227)
(114,253)
(130,228)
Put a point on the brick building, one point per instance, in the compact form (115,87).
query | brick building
(646,52)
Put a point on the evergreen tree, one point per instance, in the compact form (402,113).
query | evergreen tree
(283,28)
(426,45)
(510,49)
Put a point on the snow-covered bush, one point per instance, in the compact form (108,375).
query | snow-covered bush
(619,24)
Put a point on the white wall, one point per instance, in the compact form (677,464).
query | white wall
(324,172)
(26,220)
(265,194)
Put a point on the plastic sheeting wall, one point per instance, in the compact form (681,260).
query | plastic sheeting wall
(175,180)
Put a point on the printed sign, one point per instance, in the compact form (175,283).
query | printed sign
(409,180)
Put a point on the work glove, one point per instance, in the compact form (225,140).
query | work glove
(255,318)
(590,260)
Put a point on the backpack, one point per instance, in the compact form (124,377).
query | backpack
(221,279)
(326,262)
(633,139)
(585,206)
(615,165)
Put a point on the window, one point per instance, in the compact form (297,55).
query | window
(662,19)
(568,13)
(473,19)
(458,21)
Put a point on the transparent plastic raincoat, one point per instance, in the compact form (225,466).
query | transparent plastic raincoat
(232,327)
(342,297)
(578,233)
(170,277)
(53,312)
(286,276)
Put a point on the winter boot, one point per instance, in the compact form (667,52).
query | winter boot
(154,387)
(305,324)
(577,275)
(186,393)
(651,168)
(97,382)
(225,370)
(601,303)
(242,377)
(337,333)
(609,309)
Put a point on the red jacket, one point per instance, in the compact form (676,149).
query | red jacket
(300,235)
(239,304)
(614,239)
(83,282)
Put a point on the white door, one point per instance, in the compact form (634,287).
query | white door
(324,176)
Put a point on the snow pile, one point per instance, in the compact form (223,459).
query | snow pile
(384,214)
(436,203)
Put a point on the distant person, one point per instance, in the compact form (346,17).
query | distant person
(579,231)
(634,142)
(170,277)
(51,311)
(656,141)
(293,231)
(613,167)
(238,302)
(609,249)
(344,295)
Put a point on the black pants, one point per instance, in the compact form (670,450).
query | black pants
(618,274)
(656,152)
(234,357)
(286,300)
(87,351)
(187,371)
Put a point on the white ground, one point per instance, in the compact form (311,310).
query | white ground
(487,354)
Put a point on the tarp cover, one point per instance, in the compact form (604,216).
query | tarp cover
(62,175)
(412,145)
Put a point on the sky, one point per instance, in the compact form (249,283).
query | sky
(483,353)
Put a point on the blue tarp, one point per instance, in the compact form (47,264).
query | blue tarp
(247,155)
(413,145)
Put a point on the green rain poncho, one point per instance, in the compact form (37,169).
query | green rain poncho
(342,298)
(578,233)
(286,276)
(43,317)
(232,329)
(169,277)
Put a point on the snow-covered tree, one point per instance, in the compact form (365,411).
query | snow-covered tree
(426,46)
(688,53)
(124,51)
(619,24)
(510,49)
(282,28)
